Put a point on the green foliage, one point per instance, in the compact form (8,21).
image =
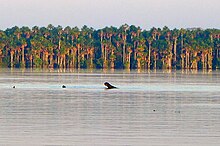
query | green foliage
(99,63)
(110,45)
(38,62)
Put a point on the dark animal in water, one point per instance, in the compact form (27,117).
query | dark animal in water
(109,86)
(63,86)
(13,87)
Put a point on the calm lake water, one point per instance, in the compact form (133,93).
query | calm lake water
(162,108)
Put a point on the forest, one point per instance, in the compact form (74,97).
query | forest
(125,47)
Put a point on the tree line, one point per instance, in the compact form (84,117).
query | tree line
(127,47)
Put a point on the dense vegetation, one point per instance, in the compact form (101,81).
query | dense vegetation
(110,47)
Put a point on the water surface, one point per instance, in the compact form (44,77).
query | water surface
(159,108)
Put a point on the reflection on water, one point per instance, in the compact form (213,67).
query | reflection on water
(149,108)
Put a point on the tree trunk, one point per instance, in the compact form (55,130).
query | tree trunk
(169,63)
(78,55)
(174,52)
(51,61)
(138,63)
(135,55)
(210,59)
(31,60)
(105,62)
(170,55)
(129,60)
(112,64)
(155,60)
(101,40)
(187,60)
(64,60)
(12,59)
(22,56)
(58,60)
(203,60)
(182,61)
(59,44)
(91,60)
(124,49)
(149,53)
(73,61)
(194,62)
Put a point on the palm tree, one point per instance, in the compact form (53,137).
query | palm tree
(79,45)
(36,50)
(3,44)
(12,49)
(128,57)
(124,29)
(175,35)
(149,40)
(23,44)
(110,47)
(105,54)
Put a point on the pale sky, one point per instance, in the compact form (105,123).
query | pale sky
(101,13)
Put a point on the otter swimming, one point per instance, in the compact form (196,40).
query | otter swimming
(109,86)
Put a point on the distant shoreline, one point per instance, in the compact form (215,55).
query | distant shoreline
(126,47)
